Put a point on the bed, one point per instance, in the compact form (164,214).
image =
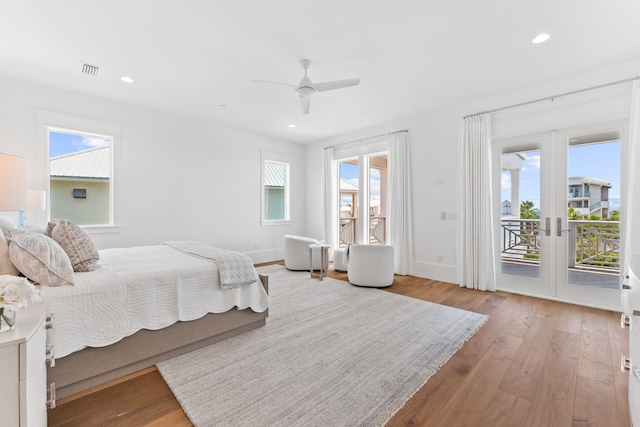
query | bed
(141,306)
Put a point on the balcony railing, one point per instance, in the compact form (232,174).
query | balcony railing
(594,244)
(349,230)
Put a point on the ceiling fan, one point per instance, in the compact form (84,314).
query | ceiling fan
(306,87)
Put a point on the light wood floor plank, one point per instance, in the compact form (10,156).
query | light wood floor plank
(506,410)
(555,395)
(524,373)
(595,404)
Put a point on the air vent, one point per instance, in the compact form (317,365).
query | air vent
(90,70)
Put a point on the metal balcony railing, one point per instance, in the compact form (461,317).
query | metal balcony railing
(594,244)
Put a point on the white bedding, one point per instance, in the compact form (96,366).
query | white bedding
(149,287)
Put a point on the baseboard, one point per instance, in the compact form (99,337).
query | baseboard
(431,270)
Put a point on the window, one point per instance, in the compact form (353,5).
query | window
(275,188)
(80,187)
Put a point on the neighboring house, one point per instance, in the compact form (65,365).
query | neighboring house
(80,186)
(589,196)
(506,208)
(274,191)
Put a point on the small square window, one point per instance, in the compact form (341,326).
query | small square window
(79,193)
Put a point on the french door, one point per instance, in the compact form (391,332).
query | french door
(558,219)
(363,199)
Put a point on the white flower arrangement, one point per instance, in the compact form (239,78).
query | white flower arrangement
(15,293)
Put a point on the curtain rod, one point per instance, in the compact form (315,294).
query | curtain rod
(573,92)
(364,139)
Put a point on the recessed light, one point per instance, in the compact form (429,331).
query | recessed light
(541,38)
(223,105)
(292,125)
(126,79)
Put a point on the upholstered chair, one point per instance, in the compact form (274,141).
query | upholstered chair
(339,260)
(370,265)
(296,253)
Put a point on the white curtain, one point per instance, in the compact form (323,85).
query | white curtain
(475,238)
(400,221)
(631,240)
(330,201)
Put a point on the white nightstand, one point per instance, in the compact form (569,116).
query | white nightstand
(23,370)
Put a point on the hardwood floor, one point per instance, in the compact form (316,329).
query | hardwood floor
(534,363)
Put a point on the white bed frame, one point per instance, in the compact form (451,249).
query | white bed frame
(94,366)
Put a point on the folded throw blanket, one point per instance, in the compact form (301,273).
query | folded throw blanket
(236,269)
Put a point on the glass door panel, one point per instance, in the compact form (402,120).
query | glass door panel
(377,199)
(520,212)
(520,234)
(349,175)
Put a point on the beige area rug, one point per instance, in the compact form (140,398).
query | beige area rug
(331,354)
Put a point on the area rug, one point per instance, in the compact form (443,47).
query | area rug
(331,354)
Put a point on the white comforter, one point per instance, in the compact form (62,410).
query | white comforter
(148,287)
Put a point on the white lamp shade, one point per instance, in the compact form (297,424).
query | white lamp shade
(36,200)
(13,183)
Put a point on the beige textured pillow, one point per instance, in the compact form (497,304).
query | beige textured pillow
(40,258)
(77,244)
(50,226)
(6,266)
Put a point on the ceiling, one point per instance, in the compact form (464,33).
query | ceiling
(197,57)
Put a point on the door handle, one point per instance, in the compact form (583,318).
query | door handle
(559,229)
(547,229)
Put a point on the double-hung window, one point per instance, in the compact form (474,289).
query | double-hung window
(276,188)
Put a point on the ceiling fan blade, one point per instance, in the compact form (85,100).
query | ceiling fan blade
(305,103)
(338,84)
(273,83)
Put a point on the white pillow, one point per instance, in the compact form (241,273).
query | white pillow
(40,258)
(6,266)
(6,224)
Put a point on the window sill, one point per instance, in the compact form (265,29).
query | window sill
(272,223)
(101,229)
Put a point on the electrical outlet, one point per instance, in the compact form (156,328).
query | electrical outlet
(440,259)
(438,181)
(452,216)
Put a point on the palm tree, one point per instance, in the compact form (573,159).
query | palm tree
(527,210)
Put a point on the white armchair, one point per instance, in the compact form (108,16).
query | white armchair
(370,265)
(296,253)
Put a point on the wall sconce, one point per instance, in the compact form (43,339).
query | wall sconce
(13,185)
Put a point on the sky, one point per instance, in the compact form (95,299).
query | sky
(600,161)
(65,143)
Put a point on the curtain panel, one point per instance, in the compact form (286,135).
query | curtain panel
(330,187)
(475,237)
(400,218)
(631,240)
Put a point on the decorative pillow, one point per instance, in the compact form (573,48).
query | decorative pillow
(6,266)
(50,226)
(40,258)
(77,244)
(7,224)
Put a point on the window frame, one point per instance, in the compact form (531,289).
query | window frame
(279,158)
(56,122)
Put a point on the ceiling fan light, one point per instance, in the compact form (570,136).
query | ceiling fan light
(306,91)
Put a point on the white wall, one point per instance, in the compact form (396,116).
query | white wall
(174,177)
(434,140)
